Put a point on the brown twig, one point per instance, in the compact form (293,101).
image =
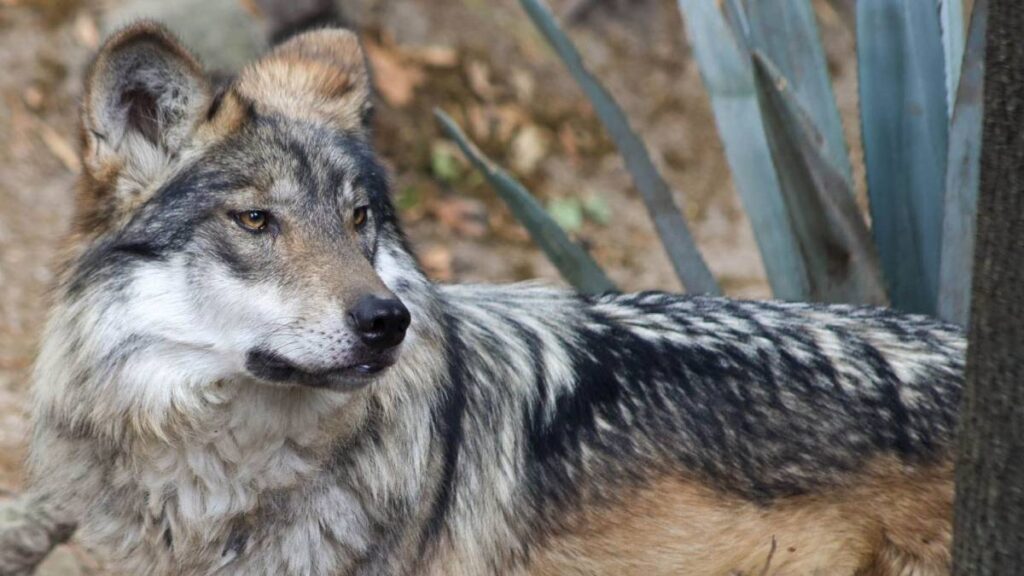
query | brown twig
(771,555)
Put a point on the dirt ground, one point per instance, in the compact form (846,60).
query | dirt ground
(481,61)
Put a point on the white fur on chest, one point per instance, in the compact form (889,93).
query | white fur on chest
(250,491)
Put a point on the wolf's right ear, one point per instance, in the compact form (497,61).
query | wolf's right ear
(143,98)
(319,75)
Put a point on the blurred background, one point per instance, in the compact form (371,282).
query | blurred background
(479,60)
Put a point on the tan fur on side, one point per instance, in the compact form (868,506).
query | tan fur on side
(318,76)
(895,520)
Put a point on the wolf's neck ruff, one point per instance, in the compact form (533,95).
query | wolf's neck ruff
(201,458)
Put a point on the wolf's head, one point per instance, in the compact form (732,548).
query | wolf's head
(246,231)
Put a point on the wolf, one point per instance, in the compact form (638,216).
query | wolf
(245,371)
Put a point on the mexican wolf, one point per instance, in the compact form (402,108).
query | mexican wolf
(246,372)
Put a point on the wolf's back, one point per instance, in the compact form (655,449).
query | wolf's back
(762,399)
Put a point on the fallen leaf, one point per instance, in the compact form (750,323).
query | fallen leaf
(86,32)
(33,98)
(60,147)
(408,199)
(478,122)
(462,216)
(437,262)
(567,212)
(479,76)
(597,210)
(433,56)
(395,80)
(444,162)
(507,119)
(567,137)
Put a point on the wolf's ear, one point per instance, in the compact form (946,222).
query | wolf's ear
(319,75)
(144,95)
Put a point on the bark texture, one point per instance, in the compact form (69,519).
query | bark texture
(989,522)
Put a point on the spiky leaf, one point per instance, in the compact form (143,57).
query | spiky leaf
(951,17)
(730,83)
(834,241)
(903,112)
(575,265)
(963,175)
(668,221)
(787,33)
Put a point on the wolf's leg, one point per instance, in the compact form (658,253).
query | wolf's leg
(29,530)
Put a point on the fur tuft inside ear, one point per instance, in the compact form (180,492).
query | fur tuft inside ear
(144,96)
(319,75)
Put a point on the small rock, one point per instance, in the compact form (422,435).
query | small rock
(529,148)
(33,98)
(523,84)
(479,76)
(225,37)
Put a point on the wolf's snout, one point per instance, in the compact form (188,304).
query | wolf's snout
(380,322)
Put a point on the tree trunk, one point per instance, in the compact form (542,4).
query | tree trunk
(989,521)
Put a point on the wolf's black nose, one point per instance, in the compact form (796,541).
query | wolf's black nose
(380,322)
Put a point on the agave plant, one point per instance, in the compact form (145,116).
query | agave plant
(764,67)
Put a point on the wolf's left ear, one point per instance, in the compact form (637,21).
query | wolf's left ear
(145,93)
(319,75)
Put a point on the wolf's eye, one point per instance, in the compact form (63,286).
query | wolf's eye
(252,220)
(359,216)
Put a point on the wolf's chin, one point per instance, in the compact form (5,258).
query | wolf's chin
(271,367)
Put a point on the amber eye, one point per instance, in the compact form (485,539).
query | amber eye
(252,220)
(359,216)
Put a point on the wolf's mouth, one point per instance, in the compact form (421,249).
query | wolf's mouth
(273,367)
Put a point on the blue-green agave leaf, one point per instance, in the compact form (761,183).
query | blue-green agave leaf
(575,265)
(675,235)
(729,80)
(834,240)
(963,175)
(736,16)
(787,33)
(951,16)
(904,121)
